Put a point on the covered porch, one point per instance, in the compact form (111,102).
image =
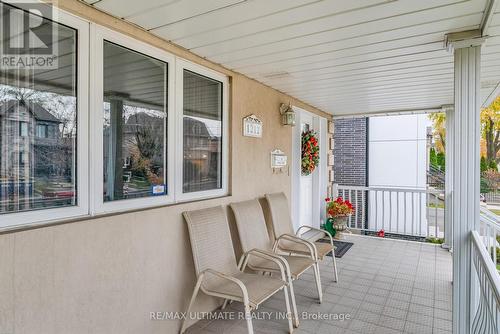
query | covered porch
(116,248)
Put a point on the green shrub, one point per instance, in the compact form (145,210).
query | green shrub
(484,164)
(433,240)
(493,165)
(433,158)
(485,188)
(440,160)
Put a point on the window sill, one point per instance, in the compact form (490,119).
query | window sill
(79,218)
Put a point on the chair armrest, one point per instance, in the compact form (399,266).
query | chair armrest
(315,229)
(312,248)
(240,284)
(280,261)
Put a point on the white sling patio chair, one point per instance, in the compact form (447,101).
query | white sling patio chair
(253,234)
(283,228)
(217,271)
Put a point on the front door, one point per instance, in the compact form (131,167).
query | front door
(306,181)
(308,191)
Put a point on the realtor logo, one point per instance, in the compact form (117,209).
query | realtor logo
(28,35)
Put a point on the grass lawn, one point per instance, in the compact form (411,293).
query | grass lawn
(439,205)
(497,212)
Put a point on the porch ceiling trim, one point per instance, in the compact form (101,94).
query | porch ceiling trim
(396,112)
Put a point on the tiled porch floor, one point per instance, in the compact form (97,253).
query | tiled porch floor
(386,286)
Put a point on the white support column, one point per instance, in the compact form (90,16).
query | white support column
(465,135)
(448,197)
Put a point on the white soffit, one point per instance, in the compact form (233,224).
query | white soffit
(344,57)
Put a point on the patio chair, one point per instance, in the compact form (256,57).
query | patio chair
(253,234)
(283,229)
(217,272)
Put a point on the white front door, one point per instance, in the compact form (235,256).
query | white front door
(308,192)
(306,181)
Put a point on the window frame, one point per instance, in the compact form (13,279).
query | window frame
(46,216)
(23,126)
(182,65)
(99,34)
(45,131)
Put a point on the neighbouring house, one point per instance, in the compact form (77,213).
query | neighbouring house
(201,155)
(201,150)
(386,152)
(33,150)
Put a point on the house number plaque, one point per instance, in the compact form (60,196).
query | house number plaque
(252,126)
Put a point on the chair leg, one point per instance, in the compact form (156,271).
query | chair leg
(191,302)
(226,301)
(335,272)
(294,304)
(334,264)
(318,282)
(289,314)
(248,317)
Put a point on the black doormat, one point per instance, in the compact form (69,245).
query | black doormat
(341,247)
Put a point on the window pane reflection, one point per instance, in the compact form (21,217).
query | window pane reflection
(135,114)
(202,133)
(38,169)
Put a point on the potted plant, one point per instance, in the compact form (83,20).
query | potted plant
(338,212)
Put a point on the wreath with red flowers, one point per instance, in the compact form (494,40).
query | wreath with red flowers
(310,152)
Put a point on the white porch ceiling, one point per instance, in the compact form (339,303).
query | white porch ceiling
(344,57)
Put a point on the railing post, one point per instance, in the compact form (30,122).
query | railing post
(465,166)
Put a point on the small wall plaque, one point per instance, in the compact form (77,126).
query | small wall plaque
(331,127)
(331,176)
(278,159)
(252,126)
(331,160)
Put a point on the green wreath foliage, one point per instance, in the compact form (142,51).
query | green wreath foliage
(310,152)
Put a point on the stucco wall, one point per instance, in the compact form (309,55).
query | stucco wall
(104,275)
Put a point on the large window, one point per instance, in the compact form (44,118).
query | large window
(202,158)
(157,126)
(134,124)
(133,127)
(41,173)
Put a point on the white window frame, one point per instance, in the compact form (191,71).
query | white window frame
(46,216)
(100,34)
(223,191)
